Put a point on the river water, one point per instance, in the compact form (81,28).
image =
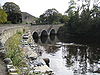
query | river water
(70,58)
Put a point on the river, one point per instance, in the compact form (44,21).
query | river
(71,58)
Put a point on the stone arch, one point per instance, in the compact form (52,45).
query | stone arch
(60,30)
(52,32)
(44,33)
(35,35)
(44,36)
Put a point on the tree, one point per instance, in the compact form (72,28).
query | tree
(71,9)
(64,19)
(3,16)
(51,16)
(84,19)
(13,11)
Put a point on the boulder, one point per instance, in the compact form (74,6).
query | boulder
(10,66)
(8,61)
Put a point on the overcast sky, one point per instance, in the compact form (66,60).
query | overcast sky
(37,7)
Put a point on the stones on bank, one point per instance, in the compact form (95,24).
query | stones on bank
(7,65)
(10,67)
(6,33)
(33,53)
(30,63)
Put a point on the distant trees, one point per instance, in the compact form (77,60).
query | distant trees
(13,11)
(3,16)
(83,18)
(51,16)
(64,19)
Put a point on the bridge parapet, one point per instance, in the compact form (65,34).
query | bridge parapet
(7,31)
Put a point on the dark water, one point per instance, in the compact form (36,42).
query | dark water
(71,58)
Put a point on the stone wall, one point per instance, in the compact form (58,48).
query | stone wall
(10,31)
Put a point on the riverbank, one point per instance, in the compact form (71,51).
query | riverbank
(33,51)
(23,56)
(14,54)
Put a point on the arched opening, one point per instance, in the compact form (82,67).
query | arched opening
(60,30)
(60,33)
(44,36)
(44,39)
(52,35)
(35,36)
(52,32)
(44,33)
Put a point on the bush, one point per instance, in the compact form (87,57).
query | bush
(13,50)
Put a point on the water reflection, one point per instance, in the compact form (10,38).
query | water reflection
(83,59)
(72,59)
(52,37)
(46,39)
(79,60)
(36,40)
(43,39)
(51,49)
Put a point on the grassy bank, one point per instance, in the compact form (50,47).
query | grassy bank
(16,54)
(13,49)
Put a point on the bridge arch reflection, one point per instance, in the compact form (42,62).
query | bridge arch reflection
(46,40)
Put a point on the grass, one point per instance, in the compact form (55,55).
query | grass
(13,50)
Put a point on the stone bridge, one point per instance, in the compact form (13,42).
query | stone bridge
(44,30)
(6,31)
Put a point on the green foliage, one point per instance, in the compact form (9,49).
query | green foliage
(64,19)
(83,20)
(8,22)
(14,52)
(11,7)
(51,16)
(13,11)
(3,16)
(20,32)
(71,8)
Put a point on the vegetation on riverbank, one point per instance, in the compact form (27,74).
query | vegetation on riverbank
(84,20)
(13,49)
(16,54)
(3,16)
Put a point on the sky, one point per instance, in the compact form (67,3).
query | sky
(38,7)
